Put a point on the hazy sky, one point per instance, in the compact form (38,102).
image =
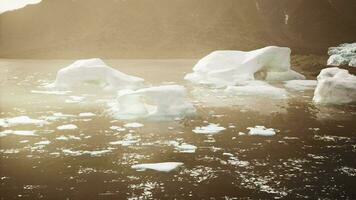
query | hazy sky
(7,5)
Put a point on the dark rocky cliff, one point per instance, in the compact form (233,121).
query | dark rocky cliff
(172,28)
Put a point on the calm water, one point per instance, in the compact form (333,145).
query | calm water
(311,156)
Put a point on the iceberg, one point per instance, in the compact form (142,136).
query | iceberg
(343,55)
(228,68)
(335,86)
(162,167)
(161,102)
(94,72)
(67,127)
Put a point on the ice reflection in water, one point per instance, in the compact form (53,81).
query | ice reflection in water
(312,155)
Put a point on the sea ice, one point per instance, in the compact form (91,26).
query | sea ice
(301,84)
(161,102)
(261,130)
(67,127)
(162,167)
(345,54)
(335,86)
(224,68)
(209,129)
(17,132)
(184,147)
(94,72)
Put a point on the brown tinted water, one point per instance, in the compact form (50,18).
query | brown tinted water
(311,156)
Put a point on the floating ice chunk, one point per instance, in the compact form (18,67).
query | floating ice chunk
(62,137)
(86,114)
(117,128)
(90,153)
(345,54)
(162,167)
(94,72)
(184,147)
(21,120)
(67,127)
(133,125)
(257,88)
(162,102)
(301,84)
(17,132)
(44,142)
(335,86)
(209,129)
(261,130)
(9,5)
(124,142)
(50,92)
(223,68)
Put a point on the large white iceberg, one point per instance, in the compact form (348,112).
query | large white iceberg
(91,72)
(335,86)
(224,68)
(343,55)
(161,102)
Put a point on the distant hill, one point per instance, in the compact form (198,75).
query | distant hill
(172,28)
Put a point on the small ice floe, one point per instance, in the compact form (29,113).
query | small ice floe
(184,147)
(70,137)
(162,167)
(128,140)
(74,99)
(226,68)
(261,130)
(335,86)
(50,92)
(117,128)
(44,142)
(166,102)
(347,171)
(300,85)
(57,116)
(17,132)
(67,127)
(343,55)
(87,114)
(96,153)
(133,125)
(94,72)
(209,129)
(21,120)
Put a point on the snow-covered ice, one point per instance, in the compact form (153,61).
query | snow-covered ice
(300,84)
(162,167)
(261,130)
(18,132)
(184,147)
(8,5)
(335,86)
(92,72)
(161,102)
(343,55)
(67,127)
(224,68)
(209,129)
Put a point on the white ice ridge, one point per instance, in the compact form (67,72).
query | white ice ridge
(162,167)
(335,86)
(345,54)
(224,68)
(261,130)
(94,72)
(8,5)
(161,102)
